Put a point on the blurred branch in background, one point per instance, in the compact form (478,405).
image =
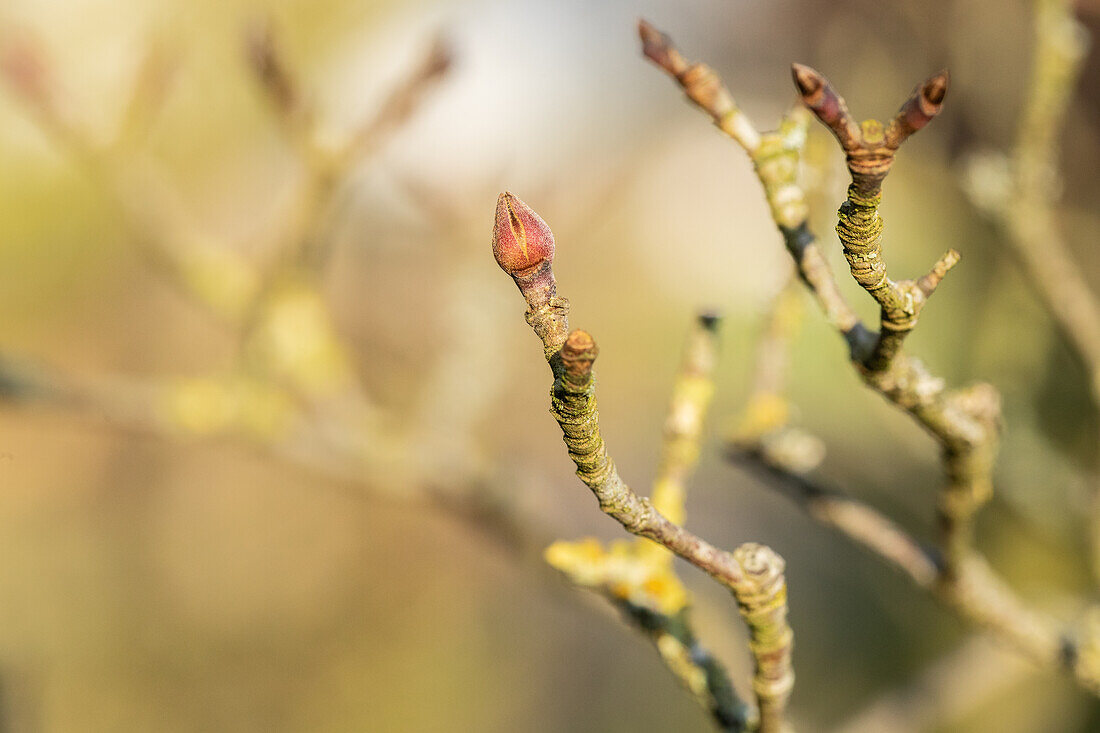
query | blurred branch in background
(1020,192)
(291,392)
(965,679)
(210,273)
(964,421)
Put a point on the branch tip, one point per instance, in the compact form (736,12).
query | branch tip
(759,561)
(579,342)
(829,107)
(440,58)
(658,48)
(650,36)
(654,43)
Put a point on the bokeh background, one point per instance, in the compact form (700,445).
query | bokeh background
(177,585)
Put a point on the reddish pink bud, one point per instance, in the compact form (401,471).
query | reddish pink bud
(523,246)
(521,239)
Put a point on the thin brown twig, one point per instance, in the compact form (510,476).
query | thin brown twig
(964,421)
(860,522)
(870,149)
(976,594)
(775,156)
(293,282)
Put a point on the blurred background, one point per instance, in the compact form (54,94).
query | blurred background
(179,583)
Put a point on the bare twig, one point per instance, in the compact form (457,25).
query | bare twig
(655,602)
(775,156)
(870,149)
(859,522)
(524,248)
(964,421)
(975,594)
(696,668)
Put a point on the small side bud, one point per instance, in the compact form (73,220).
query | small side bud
(523,246)
(578,354)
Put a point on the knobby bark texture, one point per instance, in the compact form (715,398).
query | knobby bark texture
(638,575)
(523,246)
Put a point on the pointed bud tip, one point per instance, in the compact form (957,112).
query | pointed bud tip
(935,89)
(521,239)
(806,79)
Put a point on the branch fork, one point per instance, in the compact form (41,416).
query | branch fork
(870,148)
